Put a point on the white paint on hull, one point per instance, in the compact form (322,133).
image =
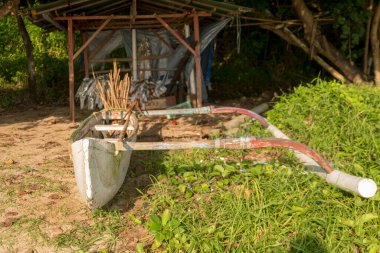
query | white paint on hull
(98,171)
(88,184)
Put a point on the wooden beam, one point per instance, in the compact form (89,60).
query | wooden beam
(139,58)
(179,15)
(175,34)
(53,22)
(70,45)
(166,43)
(115,23)
(125,27)
(92,3)
(129,70)
(112,127)
(85,55)
(92,37)
(101,45)
(65,5)
(133,13)
(116,8)
(106,7)
(198,69)
(166,6)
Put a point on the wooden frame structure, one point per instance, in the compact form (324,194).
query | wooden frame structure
(161,18)
(96,16)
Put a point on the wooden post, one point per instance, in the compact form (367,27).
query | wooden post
(134,43)
(192,88)
(70,43)
(85,55)
(198,70)
(176,35)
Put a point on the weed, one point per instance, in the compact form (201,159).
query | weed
(101,232)
(236,205)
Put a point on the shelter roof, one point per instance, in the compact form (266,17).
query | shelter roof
(49,15)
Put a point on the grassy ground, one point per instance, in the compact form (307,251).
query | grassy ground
(214,201)
(217,201)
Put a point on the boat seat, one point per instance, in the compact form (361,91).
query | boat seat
(112,128)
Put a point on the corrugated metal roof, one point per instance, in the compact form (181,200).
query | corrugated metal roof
(43,14)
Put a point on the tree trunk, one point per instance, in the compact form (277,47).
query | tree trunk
(29,56)
(375,43)
(291,38)
(320,45)
(366,66)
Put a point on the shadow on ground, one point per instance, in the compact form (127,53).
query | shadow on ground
(307,243)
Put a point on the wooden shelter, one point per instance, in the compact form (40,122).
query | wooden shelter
(93,16)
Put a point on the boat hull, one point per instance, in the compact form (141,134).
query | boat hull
(99,170)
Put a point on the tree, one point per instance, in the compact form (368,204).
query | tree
(11,7)
(29,56)
(375,43)
(314,40)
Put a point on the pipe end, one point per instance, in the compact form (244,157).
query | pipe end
(367,188)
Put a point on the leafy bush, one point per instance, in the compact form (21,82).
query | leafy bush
(246,206)
(342,122)
(50,58)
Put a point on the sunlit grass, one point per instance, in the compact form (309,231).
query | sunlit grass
(243,206)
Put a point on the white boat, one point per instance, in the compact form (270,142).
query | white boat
(99,169)
(101,159)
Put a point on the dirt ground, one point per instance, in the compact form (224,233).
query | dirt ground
(37,183)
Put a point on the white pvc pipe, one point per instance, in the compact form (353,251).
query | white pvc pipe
(364,187)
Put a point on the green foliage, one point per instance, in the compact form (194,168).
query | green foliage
(342,122)
(50,58)
(166,231)
(103,231)
(264,63)
(350,23)
(247,206)
(256,208)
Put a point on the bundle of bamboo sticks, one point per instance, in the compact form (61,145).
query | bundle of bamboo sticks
(116,92)
(115,96)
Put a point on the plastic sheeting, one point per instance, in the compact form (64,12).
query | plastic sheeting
(207,35)
(154,43)
(88,93)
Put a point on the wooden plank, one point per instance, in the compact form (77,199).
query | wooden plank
(92,37)
(64,4)
(112,128)
(175,34)
(92,3)
(85,55)
(180,15)
(139,58)
(128,70)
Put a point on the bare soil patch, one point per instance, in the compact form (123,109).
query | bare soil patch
(38,194)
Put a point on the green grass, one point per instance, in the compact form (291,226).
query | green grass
(218,201)
(203,204)
(341,122)
(103,231)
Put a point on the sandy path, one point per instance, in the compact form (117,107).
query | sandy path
(38,195)
(38,185)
